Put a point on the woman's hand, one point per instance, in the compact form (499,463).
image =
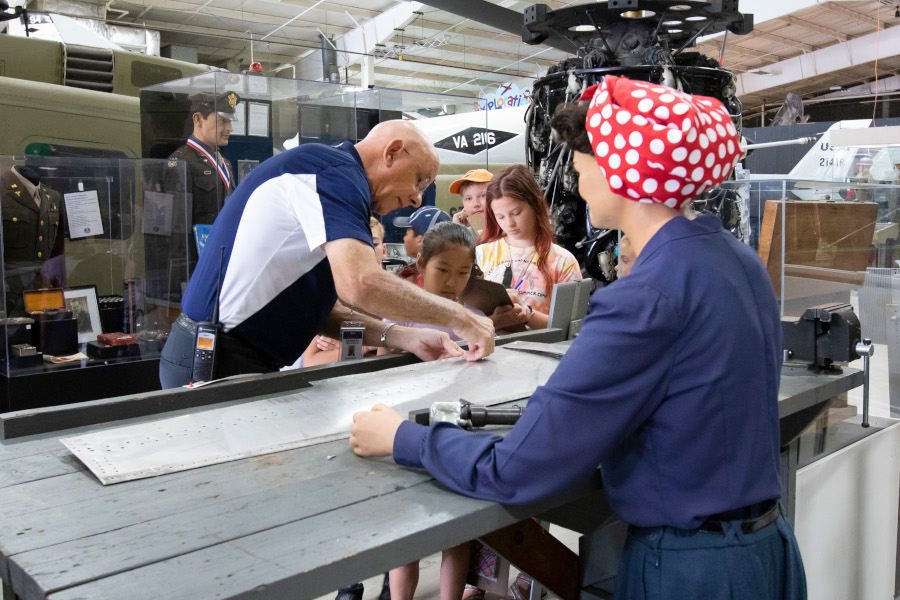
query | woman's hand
(509,315)
(373,431)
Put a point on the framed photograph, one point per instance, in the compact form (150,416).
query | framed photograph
(244,168)
(82,301)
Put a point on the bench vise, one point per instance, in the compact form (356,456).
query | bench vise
(823,335)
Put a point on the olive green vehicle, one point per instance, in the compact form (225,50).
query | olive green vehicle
(76,97)
(69,103)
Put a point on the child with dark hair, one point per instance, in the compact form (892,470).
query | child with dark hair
(446,262)
(416,225)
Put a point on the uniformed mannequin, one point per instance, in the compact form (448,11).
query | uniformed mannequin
(209,177)
(32,214)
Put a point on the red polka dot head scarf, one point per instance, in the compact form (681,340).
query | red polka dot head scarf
(656,144)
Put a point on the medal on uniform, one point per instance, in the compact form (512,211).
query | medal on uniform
(196,146)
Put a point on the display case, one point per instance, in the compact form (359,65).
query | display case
(91,277)
(266,116)
(817,231)
(832,243)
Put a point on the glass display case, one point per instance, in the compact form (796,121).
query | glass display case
(833,243)
(817,231)
(264,116)
(91,278)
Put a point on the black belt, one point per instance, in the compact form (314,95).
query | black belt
(235,355)
(714,523)
(186,322)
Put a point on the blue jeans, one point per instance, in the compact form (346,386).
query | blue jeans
(177,356)
(234,356)
(666,563)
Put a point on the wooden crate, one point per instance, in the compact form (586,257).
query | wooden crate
(825,235)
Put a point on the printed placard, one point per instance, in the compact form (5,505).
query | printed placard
(83,213)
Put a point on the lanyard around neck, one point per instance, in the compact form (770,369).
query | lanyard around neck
(508,275)
(223,174)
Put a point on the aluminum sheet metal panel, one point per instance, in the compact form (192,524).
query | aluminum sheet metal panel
(310,416)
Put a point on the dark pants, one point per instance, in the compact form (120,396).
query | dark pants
(233,356)
(663,563)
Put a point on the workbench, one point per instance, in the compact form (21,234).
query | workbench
(295,524)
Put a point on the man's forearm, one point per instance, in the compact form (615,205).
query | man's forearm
(340,313)
(392,298)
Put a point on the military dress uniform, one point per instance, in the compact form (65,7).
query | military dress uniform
(32,234)
(204,181)
(207,185)
(199,187)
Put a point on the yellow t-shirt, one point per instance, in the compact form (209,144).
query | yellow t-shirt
(498,261)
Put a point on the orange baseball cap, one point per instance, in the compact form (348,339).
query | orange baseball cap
(475,176)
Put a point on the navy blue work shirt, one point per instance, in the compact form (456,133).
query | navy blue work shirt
(277,285)
(671,386)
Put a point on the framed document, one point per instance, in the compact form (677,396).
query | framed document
(258,119)
(82,301)
(239,125)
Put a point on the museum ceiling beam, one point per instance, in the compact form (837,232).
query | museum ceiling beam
(832,59)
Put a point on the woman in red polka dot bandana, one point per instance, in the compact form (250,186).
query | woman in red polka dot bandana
(685,420)
(656,144)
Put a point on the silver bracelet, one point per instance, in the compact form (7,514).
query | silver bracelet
(384,333)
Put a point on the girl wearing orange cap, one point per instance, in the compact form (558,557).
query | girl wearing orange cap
(672,384)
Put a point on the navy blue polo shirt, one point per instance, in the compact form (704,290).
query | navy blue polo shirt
(671,387)
(277,288)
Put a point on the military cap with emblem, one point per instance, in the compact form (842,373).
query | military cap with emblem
(222,104)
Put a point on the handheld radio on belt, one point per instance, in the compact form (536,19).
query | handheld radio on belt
(207,338)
